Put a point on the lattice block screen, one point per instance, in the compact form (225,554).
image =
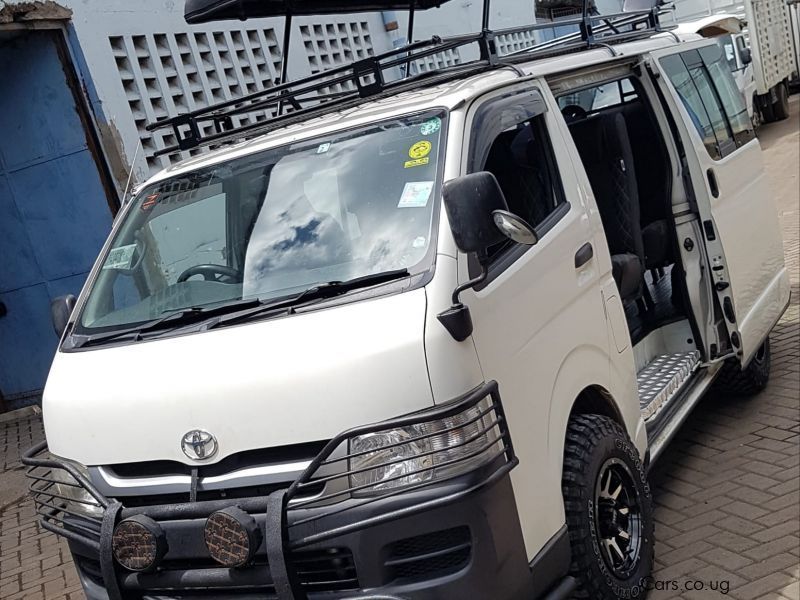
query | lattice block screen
(334,44)
(439,60)
(165,74)
(513,42)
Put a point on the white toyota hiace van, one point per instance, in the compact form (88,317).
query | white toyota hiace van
(417,337)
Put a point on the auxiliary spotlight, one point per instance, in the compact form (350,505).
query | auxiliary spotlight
(138,543)
(232,537)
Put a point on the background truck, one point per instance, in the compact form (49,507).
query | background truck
(768,39)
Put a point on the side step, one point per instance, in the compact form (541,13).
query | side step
(663,379)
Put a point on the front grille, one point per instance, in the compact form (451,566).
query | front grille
(251,491)
(430,555)
(229,464)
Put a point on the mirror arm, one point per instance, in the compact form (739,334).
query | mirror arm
(467,285)
(457,319)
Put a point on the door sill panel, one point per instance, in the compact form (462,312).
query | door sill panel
(663,379)
(665,424)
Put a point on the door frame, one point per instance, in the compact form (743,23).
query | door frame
(77,81)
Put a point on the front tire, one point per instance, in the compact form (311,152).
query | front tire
(609,510)
(735,381)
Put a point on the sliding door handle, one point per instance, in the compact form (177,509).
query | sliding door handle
(583,255)
(712,183)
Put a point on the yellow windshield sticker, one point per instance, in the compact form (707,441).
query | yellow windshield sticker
(420,149)
(416,163)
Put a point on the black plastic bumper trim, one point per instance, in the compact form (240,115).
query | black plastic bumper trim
(552,562)
(563,591)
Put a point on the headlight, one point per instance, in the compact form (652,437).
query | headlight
(69,493)
(423,452)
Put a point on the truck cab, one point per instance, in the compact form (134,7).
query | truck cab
(422,342)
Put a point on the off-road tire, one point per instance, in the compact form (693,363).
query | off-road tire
(780,109)
(735,381)
(592,441)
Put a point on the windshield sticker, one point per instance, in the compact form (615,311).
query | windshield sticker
(415,194)
(416,163)
(323,148)
(120,258)
(150,201)
(420,149)
(419,242)
(431,126)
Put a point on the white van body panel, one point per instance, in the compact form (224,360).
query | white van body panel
(284,381)
(745,218)
(541,332)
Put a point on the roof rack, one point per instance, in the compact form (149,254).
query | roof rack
(390,72)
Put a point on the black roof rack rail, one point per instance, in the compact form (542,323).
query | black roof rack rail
(371,77)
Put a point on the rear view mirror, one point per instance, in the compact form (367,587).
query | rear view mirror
(470,202)
(60,311)
(746,55)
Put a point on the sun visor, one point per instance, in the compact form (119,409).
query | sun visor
(202,11)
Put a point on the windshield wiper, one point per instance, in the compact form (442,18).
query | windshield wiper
(237,311)
(192,314)
(330,289)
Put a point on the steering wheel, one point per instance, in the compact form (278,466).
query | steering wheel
(219,273)
(573,112)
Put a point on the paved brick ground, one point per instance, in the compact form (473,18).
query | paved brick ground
(727,490)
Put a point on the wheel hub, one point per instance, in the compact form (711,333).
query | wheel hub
(618,518)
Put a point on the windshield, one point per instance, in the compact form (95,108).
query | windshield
(273,224)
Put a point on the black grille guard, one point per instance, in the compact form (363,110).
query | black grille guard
(292,521)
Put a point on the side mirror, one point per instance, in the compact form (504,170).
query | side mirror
(479,218)
(60,311)
(515,228)
(746,55)
(470,202)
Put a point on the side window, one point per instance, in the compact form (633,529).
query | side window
(600,97)
(692,101)
(514,146)
(705,85)
(733,102)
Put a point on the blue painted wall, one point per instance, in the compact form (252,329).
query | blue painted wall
(54,215)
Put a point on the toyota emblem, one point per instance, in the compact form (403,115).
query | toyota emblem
(199,444)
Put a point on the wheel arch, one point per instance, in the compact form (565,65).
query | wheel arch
(596,400)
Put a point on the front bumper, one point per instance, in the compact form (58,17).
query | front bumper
(455,537)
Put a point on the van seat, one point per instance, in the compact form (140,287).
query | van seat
(605,150)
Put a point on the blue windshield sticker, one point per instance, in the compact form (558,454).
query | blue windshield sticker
(415,194)
(431,126)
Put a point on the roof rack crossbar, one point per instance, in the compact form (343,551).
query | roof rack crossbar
(370,65)
(366,78)
(345,101)
(610,22)
(161,123)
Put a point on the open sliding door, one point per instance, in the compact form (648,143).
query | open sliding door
(734,201)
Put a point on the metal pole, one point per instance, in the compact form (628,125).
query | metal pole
(410,33)
(486,9)
(586,26)
(287,36)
